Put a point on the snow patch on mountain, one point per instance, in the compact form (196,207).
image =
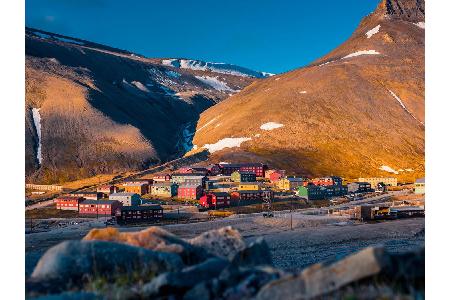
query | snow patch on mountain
(388,169)
(37,125)
(207,123)
(373,31)
(222,68)
(226,143)
(361,52)
(215,83)
(140,86)
(270,126)
(403,105)
(57,38)
(173,74)
(420,24)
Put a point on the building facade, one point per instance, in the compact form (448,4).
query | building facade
(193,192)
(140,188)
(215,199)
(359,187)
(139,214)
(68,203)
(257,168)
(249,186)
(239,176)
(164,189)
(99,207)
(127,199)
(107,189)
(162,178)
(88,195)
(389,181)
(312,192)
(289,184)
(419,186)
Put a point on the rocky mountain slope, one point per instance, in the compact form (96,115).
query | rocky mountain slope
(93,109)
(357,111)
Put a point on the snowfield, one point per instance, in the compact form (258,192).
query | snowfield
(173,74)
(388,169)
(270,126)
(362,52)
(215,83)
(420,24)
(226,143)
(303,92)
(373,31)
(37,125)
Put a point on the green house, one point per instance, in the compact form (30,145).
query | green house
(312,192)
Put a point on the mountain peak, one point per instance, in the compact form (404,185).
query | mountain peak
(407,10)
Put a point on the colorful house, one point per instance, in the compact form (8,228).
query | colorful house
(249,186)
(239,176)
(257,168)
(87,195)
(359,187)
(312,192)
(189,178)
(276,176)
(68,202)
(136,214)
(107,189)
(162,178)
(326,181)
(164,189)
(290,183)
(419,186)
(99,207)
(186,191)
(251,195)
(215,199)
(140,188)
(389,181)
(127,199)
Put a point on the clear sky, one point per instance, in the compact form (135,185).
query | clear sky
(266,35)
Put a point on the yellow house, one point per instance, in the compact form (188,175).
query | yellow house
(249,186)
(391,181)
(288,184)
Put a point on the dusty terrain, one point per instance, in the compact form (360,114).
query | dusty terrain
(314,237)
(349,113)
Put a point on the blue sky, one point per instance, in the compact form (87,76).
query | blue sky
(267,35)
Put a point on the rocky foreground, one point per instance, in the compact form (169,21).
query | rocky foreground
(218,264)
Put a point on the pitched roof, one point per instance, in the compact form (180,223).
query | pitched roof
(420,180)
(122,194)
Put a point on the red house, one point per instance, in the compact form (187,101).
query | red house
(68,203)
(216,199)
(213,169)
(190,191)
(99,207)
(275,176)
(257,168)
(326,181)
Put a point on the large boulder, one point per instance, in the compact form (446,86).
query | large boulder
(176,283)
(72,263)
(224,242)
(372,262)
(257,253)
(154,238)
(234,283)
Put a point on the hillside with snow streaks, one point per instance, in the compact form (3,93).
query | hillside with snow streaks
(215,83)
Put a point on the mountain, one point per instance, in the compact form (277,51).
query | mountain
(357,111)
(92,109)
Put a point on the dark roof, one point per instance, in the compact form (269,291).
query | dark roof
(142,207)
(99,201)
(84,193)
(250,183)
(247,172)
(249,192)
(189,186)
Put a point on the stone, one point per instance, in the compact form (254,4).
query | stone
(75,262)
(224,242)
(257,253)
(154,238)
(320,279)
(177,283)
(71,296)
